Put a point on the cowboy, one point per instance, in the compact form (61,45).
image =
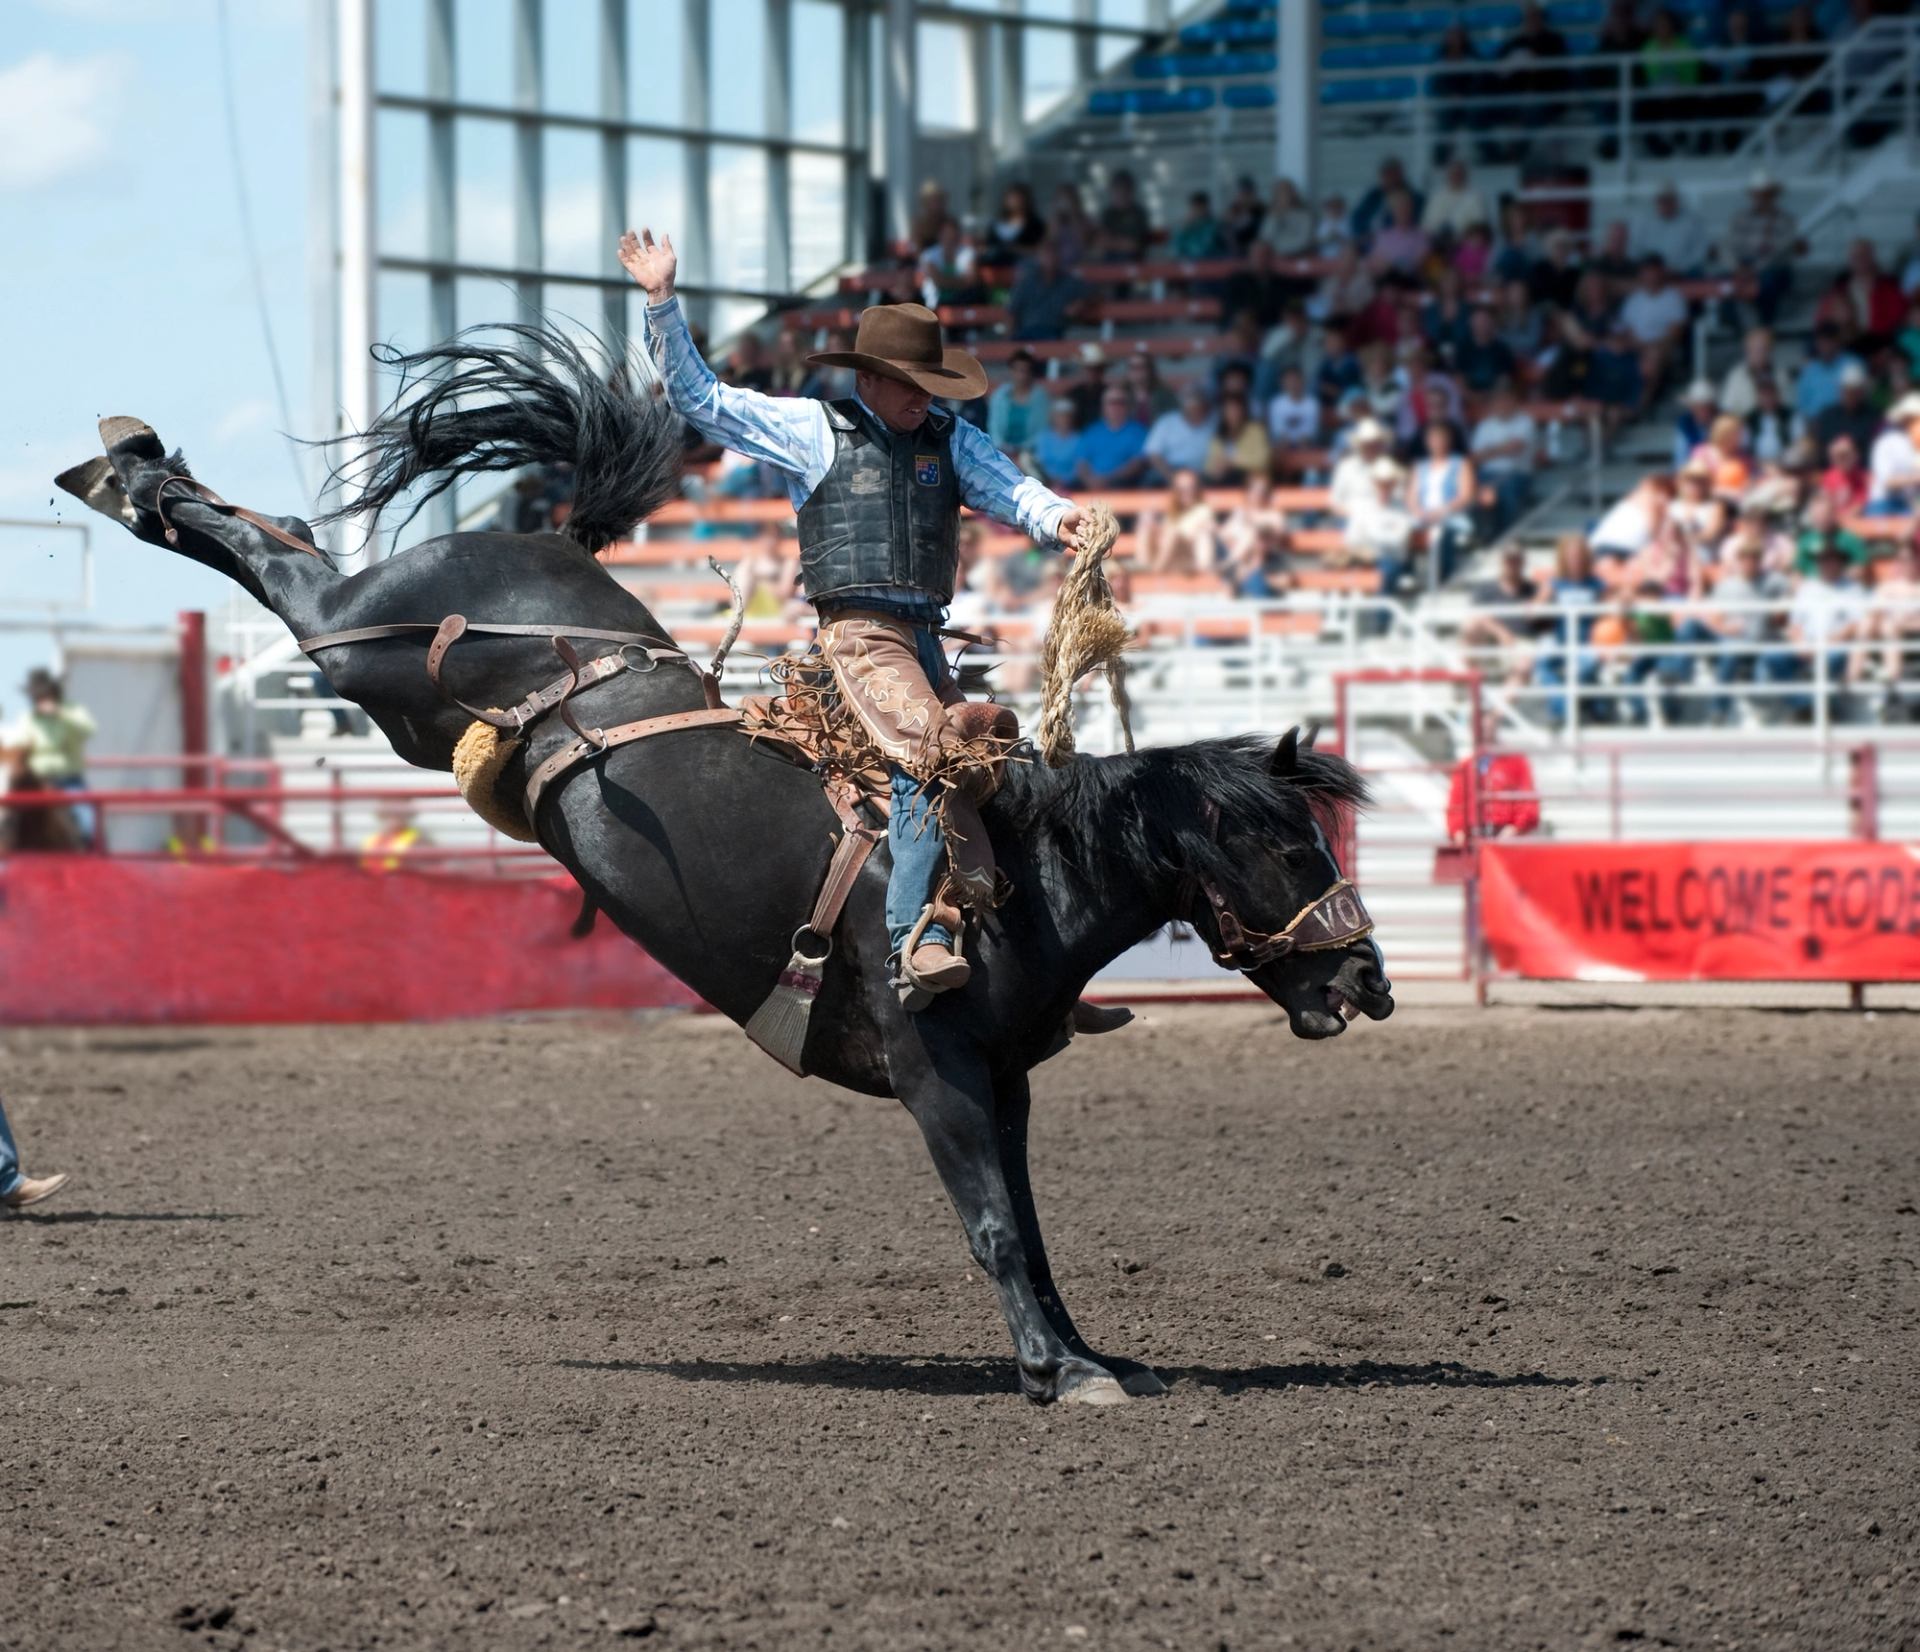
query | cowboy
(877,480)
(55,735)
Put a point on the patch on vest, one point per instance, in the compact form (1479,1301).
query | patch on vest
(926,469)
(870,478)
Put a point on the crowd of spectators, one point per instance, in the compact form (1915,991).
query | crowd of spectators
(1409,351)
(1696,83)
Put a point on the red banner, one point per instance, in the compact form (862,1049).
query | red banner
(86,939)
(1841,911)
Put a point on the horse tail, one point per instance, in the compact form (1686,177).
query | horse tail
(476,404)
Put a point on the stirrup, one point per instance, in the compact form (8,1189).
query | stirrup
(916,993)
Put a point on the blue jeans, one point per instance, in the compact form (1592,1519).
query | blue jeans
(85,816)
(9,1158)
(914,833)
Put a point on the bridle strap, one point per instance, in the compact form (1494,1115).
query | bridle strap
(591,743)
(1333,919)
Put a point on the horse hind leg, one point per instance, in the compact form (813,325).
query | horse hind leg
(293,583)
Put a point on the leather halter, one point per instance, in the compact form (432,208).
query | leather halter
(1333,919)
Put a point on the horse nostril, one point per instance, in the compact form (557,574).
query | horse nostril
(1373,980)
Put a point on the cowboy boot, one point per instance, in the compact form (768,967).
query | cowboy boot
(929,968)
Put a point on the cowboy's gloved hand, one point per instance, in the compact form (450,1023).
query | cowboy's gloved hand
(651,263)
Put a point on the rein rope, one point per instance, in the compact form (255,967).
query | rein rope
(1087,633)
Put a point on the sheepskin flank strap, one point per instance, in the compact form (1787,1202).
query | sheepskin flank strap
(598,740)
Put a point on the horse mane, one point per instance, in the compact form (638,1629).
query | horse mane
(1141,818)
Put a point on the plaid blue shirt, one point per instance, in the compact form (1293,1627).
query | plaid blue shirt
(791,433)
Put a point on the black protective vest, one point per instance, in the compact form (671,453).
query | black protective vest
(887,513)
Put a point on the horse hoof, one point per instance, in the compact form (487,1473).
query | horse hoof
(134,435)
(1101,1390)
(95,485)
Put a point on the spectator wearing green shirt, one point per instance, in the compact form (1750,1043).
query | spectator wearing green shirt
(1201,235)
(55,735)
(1821,527)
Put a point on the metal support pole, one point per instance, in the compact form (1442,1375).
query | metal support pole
(1297,94)
(1086,44)
(442,226)
(613,167)
(528,173)
(779,61)
(323,363)
(857,125)
(1008,80)
(359,395)
(696,241)
(900,116)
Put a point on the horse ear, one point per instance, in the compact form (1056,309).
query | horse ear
(1313,735)
(1286,756)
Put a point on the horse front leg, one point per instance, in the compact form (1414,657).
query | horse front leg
(955,1112)
(1013,1103)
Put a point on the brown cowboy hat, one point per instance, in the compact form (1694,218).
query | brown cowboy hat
(904,342)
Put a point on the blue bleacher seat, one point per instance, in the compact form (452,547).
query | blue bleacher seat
(1576,14)
(1386,89)
(1253,96)
(1149,100)
(1491,19)
(1203,65)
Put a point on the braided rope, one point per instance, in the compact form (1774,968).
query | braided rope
(1087,633)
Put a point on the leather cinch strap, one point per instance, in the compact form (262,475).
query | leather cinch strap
(595,741)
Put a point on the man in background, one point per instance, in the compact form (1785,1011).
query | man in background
(18,1191)
(55,735)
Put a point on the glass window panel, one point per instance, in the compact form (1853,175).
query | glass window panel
(1049,70)
(483,51)
(657,193)
(400,151)
(400,46)
(656,53)
(479,302)
(571,208)
(946,78)
(1133,13)
(483,199)
(737,223)
(570,57)
(817,196)
(402,315)
(819,72)
(1061,9)
(737,66)
(734,315)
(1110,49)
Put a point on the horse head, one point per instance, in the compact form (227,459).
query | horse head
(1274,904)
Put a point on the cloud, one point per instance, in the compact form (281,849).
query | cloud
(51,116)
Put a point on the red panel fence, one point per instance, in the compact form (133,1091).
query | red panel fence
(99,939)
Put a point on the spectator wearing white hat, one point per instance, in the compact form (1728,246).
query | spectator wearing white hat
(1352,484)
(1893,487)
(1381,531)
(1762,237)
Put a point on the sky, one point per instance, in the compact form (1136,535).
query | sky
(125,287)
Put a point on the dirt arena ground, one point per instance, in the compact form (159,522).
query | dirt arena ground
(1527,1329)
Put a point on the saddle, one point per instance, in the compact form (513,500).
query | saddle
(808,722)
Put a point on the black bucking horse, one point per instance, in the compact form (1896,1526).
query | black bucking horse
(708,849)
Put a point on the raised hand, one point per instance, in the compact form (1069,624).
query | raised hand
(651,263)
